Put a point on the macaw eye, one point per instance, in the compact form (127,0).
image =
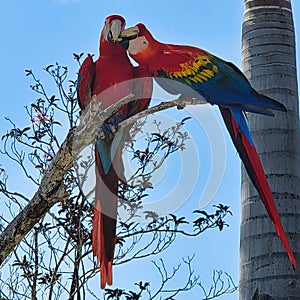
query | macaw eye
(110,37)
(144,41)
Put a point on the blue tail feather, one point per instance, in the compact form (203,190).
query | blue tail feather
(107,149)
(243,126)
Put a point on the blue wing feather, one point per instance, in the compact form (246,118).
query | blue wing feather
(219,82)
(107,149)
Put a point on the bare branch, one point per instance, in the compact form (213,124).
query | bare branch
(179,102)
(55,259)
(51,189)
(222,284)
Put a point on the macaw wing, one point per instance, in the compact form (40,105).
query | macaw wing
(217,81)
(142,90)
(195,66)
(85,82)
(261,103)
(205,74)
(255,171)
(188,67)
(177,77)
(175,87)
(170,86)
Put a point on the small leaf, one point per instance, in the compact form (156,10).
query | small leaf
(48,67)
(28,72)
(185,119)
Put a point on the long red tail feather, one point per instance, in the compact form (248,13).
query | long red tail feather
(105,215)
(254,168)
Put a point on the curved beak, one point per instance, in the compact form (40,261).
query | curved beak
(127,35)
(130,33)
(115,30)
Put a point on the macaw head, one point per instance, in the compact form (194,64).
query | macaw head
(112,29)
(139,42)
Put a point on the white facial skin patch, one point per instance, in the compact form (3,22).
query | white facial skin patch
(137,45)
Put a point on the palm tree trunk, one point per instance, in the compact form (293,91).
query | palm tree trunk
(268,50)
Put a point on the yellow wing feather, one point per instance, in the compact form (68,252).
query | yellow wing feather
(196,70)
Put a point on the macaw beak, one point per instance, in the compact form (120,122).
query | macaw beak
(131,32)
(115,30)
(127,35)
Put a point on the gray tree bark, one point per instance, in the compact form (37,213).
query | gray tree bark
(268,52)
(52,189)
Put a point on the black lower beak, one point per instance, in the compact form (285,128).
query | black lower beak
(110,38)
(125,44)
(125,40)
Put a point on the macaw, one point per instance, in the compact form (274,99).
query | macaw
(110,78)
(196,73)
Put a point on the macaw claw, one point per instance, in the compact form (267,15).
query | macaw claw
(109,128)
(182,99)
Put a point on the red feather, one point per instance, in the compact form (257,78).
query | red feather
(85,83)
(110,78)
(219,82)
(105,216)
(252,163)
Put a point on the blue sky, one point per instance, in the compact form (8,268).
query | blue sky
(36,33)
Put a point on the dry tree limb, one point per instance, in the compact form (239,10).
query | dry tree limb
(180,102)
(52,189)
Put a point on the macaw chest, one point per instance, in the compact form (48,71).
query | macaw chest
(113,81)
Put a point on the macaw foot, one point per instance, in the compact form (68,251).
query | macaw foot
(109,128)
(182,101)
(114,123)
(103,131)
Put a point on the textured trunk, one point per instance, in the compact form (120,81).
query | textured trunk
(268,50)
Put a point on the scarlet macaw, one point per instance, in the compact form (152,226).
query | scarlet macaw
(110,78)
(194,72)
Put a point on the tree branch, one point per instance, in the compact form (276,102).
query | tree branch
(179,102)
(52,189)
